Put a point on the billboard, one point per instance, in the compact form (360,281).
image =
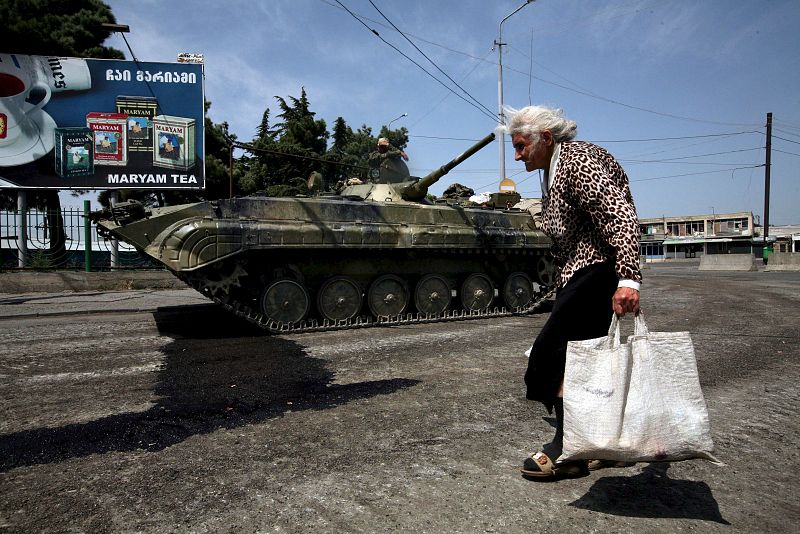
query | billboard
(71,123)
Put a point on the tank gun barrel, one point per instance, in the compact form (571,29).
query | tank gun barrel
(420,189)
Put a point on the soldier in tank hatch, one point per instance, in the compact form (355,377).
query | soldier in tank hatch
(383,152)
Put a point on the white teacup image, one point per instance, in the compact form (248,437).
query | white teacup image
(15,107)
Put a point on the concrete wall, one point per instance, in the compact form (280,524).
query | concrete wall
(728,262)
(783,261)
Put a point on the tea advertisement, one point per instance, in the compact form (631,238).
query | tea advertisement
(72,123)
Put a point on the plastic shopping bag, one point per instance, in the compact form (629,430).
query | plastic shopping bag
(637,401)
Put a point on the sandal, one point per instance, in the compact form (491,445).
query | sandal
(540,466)
(594,465)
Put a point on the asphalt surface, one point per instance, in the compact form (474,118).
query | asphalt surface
(150,410)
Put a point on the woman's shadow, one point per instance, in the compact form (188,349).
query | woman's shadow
(218,372)
(652,494)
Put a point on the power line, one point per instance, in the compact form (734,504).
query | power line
(782,139)
(730,134)
(638,108)
(429,59)
(252,149)
(431,110)
(490,115)
(786,124)
(784,152)
(695,173)
(579,91)
(785,131)
(666,160)
(677,138)
(582,92)
(674,146)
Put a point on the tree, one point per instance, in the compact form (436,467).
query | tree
(342,134)
(283,156)
(299,128)
(55,28)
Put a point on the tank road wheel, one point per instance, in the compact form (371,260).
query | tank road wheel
(432,294)
(518,290)
(546,271)
(285,301)
(477,292)
(339,299)
(387,296)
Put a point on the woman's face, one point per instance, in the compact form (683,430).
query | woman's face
(535,155)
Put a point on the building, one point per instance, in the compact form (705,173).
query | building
(691,236)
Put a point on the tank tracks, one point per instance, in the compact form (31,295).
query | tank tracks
(314,325)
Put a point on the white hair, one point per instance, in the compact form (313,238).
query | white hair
(530,121)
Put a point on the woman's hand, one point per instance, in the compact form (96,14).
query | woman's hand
(625,300)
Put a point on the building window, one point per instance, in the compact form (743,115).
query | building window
(686,228)
(651,251)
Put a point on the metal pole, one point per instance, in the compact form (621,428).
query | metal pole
(767,164)
(87,236)
(501,139)
(22,229)
(113,198)
(230,171)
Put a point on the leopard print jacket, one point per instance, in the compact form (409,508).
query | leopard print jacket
(589,214)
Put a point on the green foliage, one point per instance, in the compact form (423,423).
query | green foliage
(283,156)
(299,128)
(397,138)
(57,28)
(40,260)
(218,142)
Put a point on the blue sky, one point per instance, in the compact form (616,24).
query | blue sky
(627,71)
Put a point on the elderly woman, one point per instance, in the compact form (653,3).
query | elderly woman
(588,212)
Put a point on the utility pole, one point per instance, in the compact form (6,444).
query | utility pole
(230,171)
(501,139)
(767,164)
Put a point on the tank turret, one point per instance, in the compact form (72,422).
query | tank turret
(375,253)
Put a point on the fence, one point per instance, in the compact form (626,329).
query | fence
(42,240)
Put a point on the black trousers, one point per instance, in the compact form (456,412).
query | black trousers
(582,310)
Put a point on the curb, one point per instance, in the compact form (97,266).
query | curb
(70,281)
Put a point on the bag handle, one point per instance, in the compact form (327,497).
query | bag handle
(613,332)
(639,326)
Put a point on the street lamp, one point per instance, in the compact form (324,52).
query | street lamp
(122,28)
(501,139)
(396,118)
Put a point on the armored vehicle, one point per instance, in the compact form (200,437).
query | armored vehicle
(377,252)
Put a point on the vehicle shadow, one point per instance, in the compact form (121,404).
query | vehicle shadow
(209,381)
(652,494)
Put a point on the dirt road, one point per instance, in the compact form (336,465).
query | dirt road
(161,414)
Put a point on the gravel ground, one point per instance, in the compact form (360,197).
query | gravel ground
(152,411)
